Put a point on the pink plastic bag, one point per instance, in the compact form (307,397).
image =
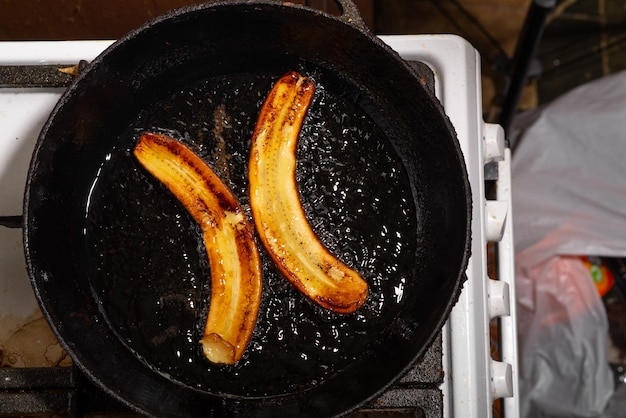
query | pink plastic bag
(564,369)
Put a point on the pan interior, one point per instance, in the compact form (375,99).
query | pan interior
(147,265)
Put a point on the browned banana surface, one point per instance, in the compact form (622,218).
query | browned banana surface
(276,207)
(228,238)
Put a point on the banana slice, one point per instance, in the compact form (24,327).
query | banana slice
(228,238)
(276,207)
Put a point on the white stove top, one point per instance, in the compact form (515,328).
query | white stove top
(472,378)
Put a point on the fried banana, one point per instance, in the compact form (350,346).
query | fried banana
(228,238)
(276,208)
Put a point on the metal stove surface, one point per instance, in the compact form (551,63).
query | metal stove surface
(456,377)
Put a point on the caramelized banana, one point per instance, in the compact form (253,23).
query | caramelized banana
(276,207)
(228,238)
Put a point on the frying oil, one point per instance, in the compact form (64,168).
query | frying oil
(147,262)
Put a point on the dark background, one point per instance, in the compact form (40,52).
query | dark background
(582,39)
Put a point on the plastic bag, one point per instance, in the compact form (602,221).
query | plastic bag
(569,199)
(569,171)
(564,370)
